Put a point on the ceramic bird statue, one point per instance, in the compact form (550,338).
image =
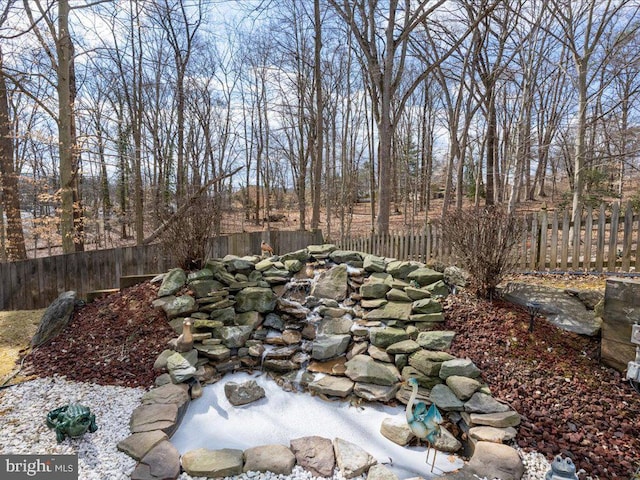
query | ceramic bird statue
(423,422)
(266,248)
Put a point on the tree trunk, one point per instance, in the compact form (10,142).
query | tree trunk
(15,247)
(580,150)
(64,49)
(317,166)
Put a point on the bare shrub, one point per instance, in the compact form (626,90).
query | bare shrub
(484,241)
(186,237)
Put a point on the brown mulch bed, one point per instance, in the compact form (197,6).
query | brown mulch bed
(570,404)
(111,341)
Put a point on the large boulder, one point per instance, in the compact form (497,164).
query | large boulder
(560,308)
(55,318)
(332,284)
(173,281)
(258,299)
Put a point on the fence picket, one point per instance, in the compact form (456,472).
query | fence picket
(564,254)
(588,233)
(627,238)
(613,238)
(577,229)
(542,246)
(553,251)
(600,239)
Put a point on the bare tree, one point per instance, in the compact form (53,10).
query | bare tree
(582,26)
(15,247)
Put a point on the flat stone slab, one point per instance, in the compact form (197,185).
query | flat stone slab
(330,385)
(213,463)
(154,417)
(492,434)
(445,399)
(483,403)
(560,308)
(436,340)
(462,367)
(170,393)
(161,463)
(375,393)
(498,420)
(269,458)
(137,445)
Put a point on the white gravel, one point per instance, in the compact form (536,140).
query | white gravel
(23,410)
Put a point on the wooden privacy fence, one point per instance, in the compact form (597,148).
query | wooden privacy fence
(605,239)
(35,283)
(594,240)
(419,246)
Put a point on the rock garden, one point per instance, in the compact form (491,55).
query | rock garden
(345,326)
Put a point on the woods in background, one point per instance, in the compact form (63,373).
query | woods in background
(114,114)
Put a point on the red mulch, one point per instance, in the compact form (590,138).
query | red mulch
(570,404)
(111,341)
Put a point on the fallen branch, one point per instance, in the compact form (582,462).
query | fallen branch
(182,210)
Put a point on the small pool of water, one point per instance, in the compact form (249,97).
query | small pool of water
(211,422)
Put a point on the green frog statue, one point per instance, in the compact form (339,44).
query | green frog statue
(72,420)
